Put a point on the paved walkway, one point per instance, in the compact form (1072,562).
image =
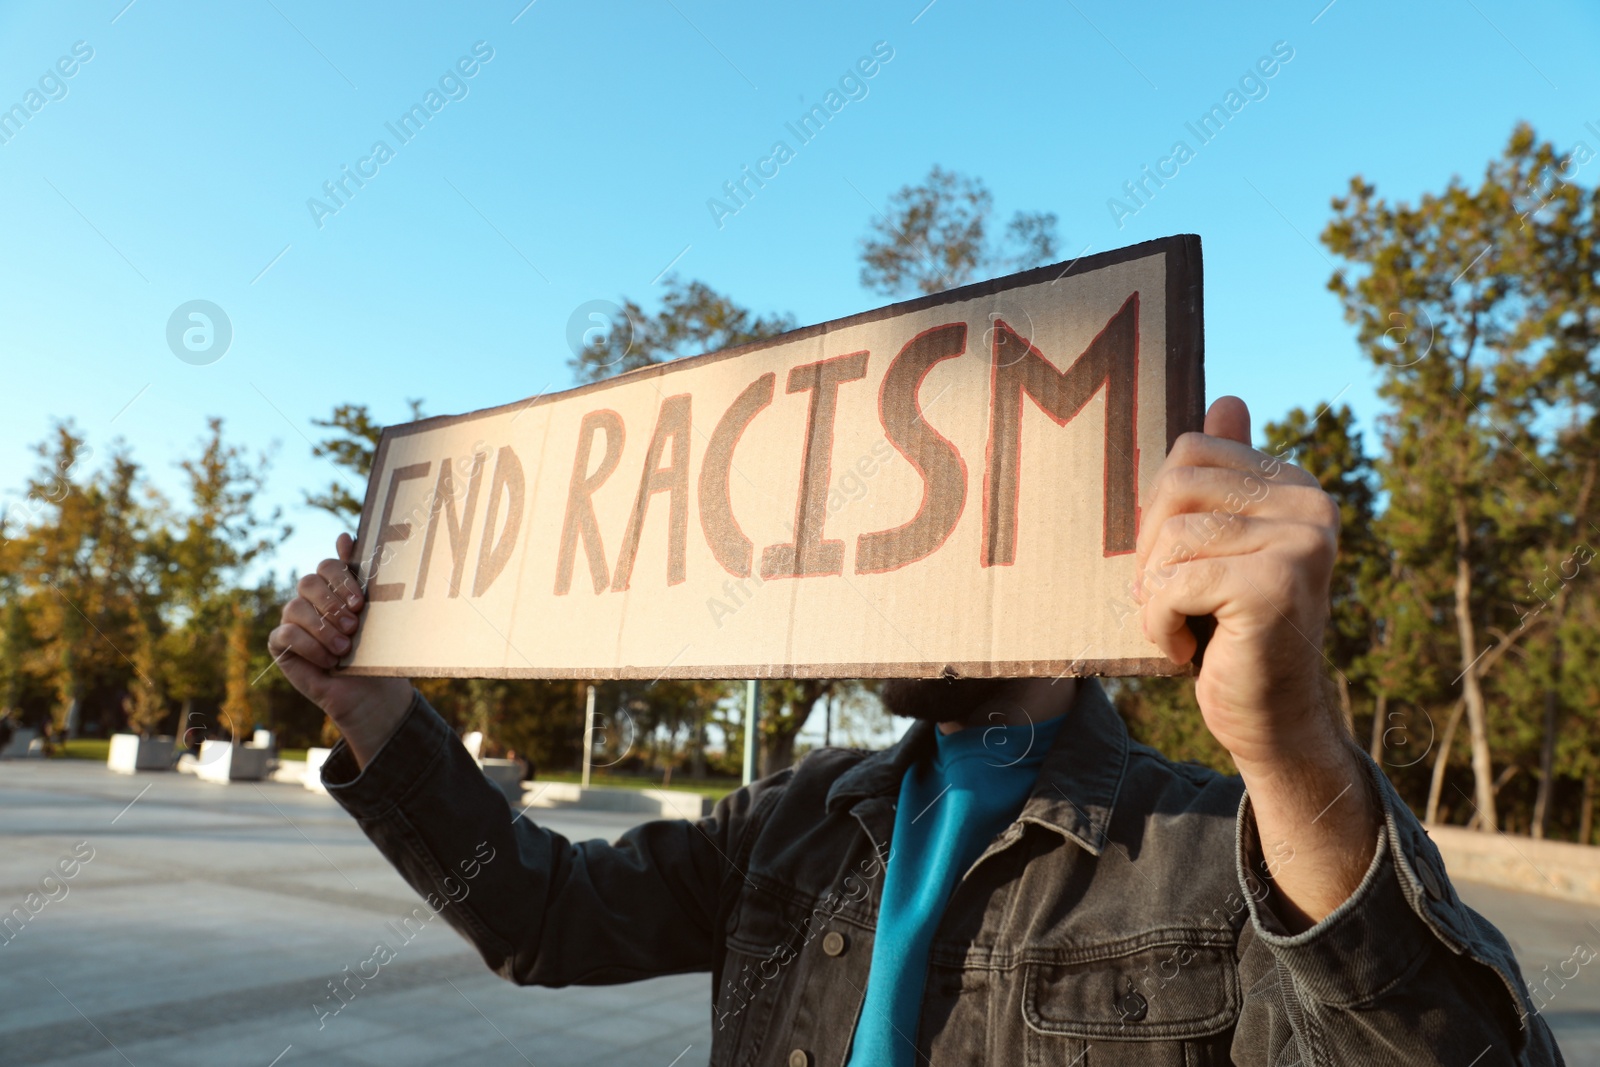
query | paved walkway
(209,920)
(1544,934)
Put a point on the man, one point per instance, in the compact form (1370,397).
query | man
(1014,882)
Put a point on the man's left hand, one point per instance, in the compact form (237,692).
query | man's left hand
(1251,540)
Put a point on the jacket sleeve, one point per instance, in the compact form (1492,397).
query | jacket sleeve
(1401,973)
(543,910)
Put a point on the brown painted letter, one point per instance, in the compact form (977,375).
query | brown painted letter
(944,475)
(1112,361)
(391,531)
(580,520)
(507,477)
(728,543)
(672,424)
(459,526)
(808,554)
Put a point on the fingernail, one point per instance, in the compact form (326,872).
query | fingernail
(347,623)
(341,643)
(354,600)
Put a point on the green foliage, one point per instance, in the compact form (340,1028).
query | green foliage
(936,236)
(1327,444)
(693,318)
(1162,713)
(787,705)
(1475,305)
(238,704)
(351,446)
(120,611)
(146,703)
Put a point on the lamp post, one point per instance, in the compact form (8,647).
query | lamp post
(588,736)
(752,691)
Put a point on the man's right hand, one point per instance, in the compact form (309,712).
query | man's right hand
(314,634)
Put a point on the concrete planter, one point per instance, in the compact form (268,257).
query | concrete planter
(1552,868)
(22,742)
(663,803)
(224,761)
(315,758)
(506,774)
(131,753)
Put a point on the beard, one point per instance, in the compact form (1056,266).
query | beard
(940,699)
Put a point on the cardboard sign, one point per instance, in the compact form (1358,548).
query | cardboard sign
(950,484)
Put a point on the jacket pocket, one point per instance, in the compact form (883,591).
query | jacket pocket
(1169,1002)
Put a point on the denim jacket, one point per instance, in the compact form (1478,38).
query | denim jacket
(1124,917)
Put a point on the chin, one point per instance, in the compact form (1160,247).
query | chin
(940,699)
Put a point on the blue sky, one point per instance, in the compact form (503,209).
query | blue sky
(577,162)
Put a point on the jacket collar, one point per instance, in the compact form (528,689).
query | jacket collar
(880,774)
(1082,775)
(1077,788)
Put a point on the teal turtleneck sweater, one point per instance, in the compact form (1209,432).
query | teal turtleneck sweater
(952,805)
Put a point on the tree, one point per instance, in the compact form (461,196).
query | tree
(786,704)
(936,236)
(238,705)
(351,446)
(221,537)
(15,636)
(859,719)
(84,564)
(693,318)
(1562,287)
(1438,291)
(146,702)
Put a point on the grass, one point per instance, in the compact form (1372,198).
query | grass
(98,748)
(715,788)
(95,748)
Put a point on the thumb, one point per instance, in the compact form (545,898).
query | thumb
(1229,418)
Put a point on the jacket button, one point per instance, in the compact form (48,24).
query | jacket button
(834,944)
(799,1058)
(1132,1005)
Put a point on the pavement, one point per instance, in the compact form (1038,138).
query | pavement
(202,924)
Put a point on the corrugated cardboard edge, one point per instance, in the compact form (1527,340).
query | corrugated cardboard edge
(1186,393)
(1029,668)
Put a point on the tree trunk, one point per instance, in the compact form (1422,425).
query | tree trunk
(1380,712)
(1472,690)
(1586,811)
(1344,702)
(697,750)
(186,724)
(1441,761)
(1547,750)
(74,714)
(1476,823)
(778,731)
(1552,693)
(1380,707)
(778,752)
